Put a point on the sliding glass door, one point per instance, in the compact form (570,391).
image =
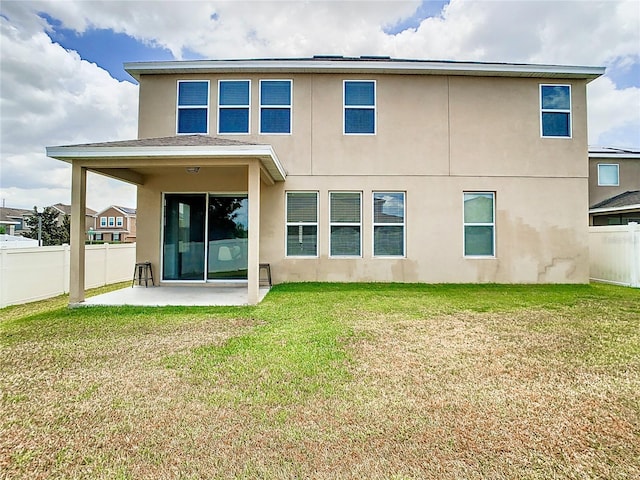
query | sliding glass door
(205,237)
(228,237)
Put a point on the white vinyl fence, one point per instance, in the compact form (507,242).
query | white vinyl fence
(29,274)
(615,254)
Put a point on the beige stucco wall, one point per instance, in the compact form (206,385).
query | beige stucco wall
(437,137)
(535,240)
(629,176)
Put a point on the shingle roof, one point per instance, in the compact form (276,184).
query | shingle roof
(625,199)
(7,214)
(66,209)
(179,146)
(174,141)
(126,210)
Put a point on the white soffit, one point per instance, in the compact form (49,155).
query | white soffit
(265,153)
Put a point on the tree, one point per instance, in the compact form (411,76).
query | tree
(53,233)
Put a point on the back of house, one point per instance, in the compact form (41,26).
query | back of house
(357,169)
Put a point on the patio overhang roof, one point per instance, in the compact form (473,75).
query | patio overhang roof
(613,210)
(121,159)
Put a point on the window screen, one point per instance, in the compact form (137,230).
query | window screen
(233,106)
(359,107)
(193,106)
(302,224)
(555,102)
(388,224)
(479,224)
(275,106)
(345,223)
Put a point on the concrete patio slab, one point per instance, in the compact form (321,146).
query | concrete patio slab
(176,296)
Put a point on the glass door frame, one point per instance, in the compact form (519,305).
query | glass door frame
(205,278)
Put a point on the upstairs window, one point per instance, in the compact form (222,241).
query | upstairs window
(388,224)
(345,218)
(193,106)
(119,221)
(359,107)
(103,221)
(479,224)
(302,224)
(608,175)
(112,221)
(233,110)
(555,111)
(275,106)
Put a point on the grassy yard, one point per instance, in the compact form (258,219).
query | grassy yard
(328,381)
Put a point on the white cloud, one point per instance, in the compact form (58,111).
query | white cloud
(51,96)
(613,114)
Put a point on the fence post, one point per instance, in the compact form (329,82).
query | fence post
(105,280)
(3,277)
(66,268)
(634,232)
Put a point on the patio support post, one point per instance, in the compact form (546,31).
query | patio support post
(253,260)
(78,210)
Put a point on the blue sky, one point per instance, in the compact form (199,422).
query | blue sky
(62,79)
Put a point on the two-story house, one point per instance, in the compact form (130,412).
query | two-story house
(614,186)
(352,169)
(115,224)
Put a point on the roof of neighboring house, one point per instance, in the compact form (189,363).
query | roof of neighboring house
(125,210)
(7,214)
(66,209)
(630,199)
(363,64)
(613,152)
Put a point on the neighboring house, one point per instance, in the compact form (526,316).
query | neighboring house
(115,224)
(64,210)
(12,219)
(352,169)
(614,186)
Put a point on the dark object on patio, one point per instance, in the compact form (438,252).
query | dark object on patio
(142,272)
(267,268)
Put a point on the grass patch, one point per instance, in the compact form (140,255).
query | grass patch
(328,381)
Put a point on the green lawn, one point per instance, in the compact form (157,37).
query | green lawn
(328,381)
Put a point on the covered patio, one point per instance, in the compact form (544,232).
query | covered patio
(177,169)
(182,296)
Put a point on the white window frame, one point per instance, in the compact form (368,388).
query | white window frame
(345,224)
(301,224)
(486,224)
(186,107)
(617,184)
(119,222)
(384,224)
(290,107)
(558,110)
(373,107)
(114,235)
(225,107)
(112,221)
(103,222)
